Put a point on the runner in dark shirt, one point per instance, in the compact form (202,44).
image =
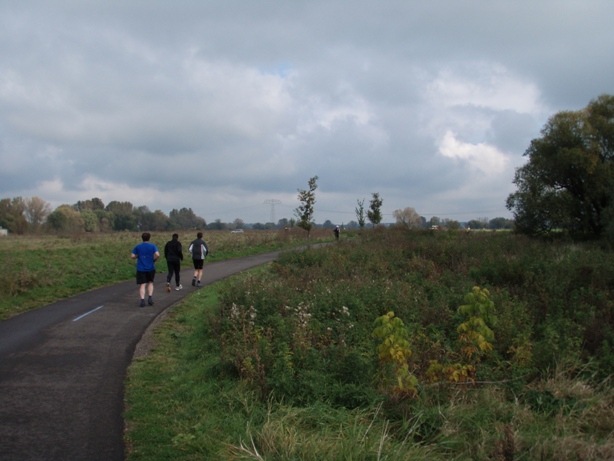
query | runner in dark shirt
(173,252)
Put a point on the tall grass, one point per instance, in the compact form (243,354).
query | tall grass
(282,364)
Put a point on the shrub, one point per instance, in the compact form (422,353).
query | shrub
(315,309)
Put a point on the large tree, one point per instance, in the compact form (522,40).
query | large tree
(91,205)
(66,218)
(121,215)
(90,221)
(305,211)
(151,221)
(57,220)
(476,224)
(186,219)
(568,182)
(238,224)
(408,217)
(500,223)
(36,210)
(217,225)
(12,215)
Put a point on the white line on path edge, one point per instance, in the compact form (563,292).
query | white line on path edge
(88,313)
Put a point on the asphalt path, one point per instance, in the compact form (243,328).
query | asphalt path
(62,367)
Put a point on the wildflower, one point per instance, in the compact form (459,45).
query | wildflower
(234,312)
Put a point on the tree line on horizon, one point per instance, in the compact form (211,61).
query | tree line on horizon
(33,215)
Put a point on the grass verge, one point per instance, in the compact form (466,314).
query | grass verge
(180,405)
(201,393)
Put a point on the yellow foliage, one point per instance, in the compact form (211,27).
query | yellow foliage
(394,349)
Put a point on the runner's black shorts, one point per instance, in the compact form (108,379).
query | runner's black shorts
(145,277)
(198,263)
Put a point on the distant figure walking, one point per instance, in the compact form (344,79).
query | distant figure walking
(199,250)
(336,231)
(146,254)
(173,252)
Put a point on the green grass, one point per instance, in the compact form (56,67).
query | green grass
(186,411)
(36,270)
(181,406)
(270,366)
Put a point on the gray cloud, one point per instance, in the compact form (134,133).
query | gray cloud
(218,106)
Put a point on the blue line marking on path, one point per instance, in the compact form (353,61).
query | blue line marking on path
(88,313)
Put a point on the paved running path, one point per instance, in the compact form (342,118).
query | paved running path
(62,367)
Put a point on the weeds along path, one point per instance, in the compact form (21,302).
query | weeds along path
(62,367)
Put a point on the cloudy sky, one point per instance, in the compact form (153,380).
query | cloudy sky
(225,106)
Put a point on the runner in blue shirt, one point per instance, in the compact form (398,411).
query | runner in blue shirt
(146,254)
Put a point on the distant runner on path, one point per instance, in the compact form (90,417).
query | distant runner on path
(199,250)
(146,254)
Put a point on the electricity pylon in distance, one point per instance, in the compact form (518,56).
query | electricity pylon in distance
(272,202)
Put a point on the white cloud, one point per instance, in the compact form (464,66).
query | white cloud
(482,117)
(484,85)
(219,106)
(481,157)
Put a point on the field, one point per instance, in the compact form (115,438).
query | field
(37,270)
(393,345)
